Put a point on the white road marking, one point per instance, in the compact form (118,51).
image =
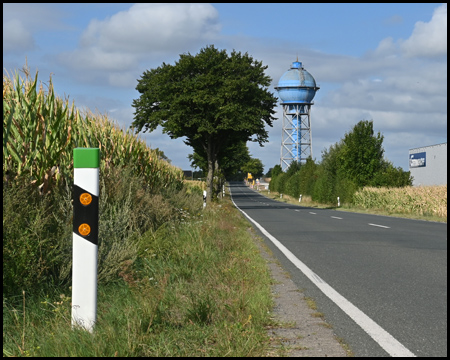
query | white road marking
(386,227)
(335,217)
(392,346)
(312,213)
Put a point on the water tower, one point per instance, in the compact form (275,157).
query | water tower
(296,89)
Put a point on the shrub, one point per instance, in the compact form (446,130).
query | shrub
(36,238)
(292,187)
(37,229)
(323,191)
(345,189)
(280,183)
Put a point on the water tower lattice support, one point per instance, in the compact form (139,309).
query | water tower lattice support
(296,89)
(296,141)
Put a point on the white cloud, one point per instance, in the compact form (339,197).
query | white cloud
(16,38)
(21,22)
(429,39)
(34,16)
(403,88)
(153,27)
(143,32)
(93,58)
(386,48)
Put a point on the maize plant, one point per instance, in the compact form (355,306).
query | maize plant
(420,200)
(40,131)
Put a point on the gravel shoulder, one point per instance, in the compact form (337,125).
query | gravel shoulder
(302,331)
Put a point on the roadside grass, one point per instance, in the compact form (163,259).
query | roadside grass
(306,201)
(197,288)
(173,279)
(352,208)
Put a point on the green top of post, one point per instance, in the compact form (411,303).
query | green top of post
(86,157)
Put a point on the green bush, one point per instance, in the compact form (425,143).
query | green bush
(308,177)
(324,187)
(281,183)
(391,176)
(345,189)
(36,238)
(292,186)
(37,229)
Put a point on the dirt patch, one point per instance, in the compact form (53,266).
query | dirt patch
(302,332)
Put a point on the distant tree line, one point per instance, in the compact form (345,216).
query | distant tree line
(235,163)
(348,165)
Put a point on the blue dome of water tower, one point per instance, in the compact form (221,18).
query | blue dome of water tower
(296,86)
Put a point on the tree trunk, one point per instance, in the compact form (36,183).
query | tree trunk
(218,181)
(209,181)
(210,176)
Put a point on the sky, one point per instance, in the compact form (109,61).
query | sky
(381,62)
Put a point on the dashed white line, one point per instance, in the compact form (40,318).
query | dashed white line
(335,217)
(391,345)
(312,213)
(382,226)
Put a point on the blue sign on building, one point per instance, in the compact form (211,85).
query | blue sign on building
(418,160)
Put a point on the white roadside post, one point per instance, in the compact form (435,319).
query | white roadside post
(86,163)
(204,198)
(300,198)
(339,203)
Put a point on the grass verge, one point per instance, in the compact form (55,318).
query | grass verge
(306,201)
(197,288)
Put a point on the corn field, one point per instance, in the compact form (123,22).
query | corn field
(420,200)
(40,131)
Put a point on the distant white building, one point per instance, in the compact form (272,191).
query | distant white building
(428,165)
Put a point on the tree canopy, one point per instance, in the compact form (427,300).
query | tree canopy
(361,154)
(212,98)
(356,161)
(254,166)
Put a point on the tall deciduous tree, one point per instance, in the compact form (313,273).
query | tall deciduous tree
(361,154)
(209,98)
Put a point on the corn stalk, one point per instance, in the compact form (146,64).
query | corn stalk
(40,131)
(420,200)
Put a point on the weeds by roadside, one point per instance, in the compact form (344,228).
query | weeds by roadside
(197,287)
(415,204)
(173,279)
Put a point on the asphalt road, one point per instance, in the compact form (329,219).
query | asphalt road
(393,270)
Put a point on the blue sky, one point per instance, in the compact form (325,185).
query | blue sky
(380,62)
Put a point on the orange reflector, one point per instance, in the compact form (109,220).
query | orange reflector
(85,198)
(84,229)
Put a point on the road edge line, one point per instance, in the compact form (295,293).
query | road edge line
(391,345)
